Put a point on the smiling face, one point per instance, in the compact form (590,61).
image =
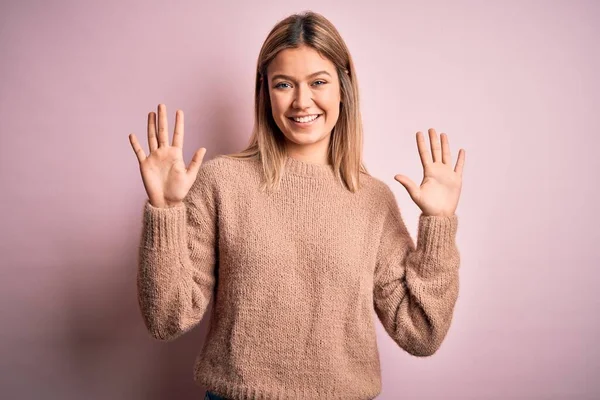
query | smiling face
(302,83)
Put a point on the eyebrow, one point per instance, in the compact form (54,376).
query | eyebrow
(282,76)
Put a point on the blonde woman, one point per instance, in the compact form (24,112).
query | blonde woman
(296,243)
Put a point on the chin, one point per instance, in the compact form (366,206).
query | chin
(305,138)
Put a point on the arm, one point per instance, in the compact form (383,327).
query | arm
(177,259)
(416,288)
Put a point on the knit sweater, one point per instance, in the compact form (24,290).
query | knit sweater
(298,278)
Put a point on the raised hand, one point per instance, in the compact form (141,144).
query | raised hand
(440,189)
(166,179)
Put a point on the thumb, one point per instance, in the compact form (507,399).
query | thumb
(196,162)
(408,184)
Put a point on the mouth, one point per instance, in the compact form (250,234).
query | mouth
(306,122)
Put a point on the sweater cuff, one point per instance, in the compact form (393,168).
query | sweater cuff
(436,236)
(163,228)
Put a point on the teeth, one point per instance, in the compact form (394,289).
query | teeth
(306,119)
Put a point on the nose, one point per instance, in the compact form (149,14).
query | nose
(303,97)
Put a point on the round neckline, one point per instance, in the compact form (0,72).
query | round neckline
(304,168)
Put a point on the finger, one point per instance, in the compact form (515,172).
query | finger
(408,184)
(152,143)
(434,141)
(446,156)
(139,152)
(178,134)
(163,135)
(425,156)
(460,162)
(196,161)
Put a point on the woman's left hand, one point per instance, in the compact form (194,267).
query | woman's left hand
(440,189)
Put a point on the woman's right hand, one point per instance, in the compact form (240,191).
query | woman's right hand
(165,177)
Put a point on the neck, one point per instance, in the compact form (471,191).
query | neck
(317,153)
(300,167)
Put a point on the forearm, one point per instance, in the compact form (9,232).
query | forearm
(415,298)
(170,300)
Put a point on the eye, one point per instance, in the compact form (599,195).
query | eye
(279,85)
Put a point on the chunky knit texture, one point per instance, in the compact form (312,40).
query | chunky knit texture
(298,278)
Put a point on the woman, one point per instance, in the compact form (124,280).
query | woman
(293,239)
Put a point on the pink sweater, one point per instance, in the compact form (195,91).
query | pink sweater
(298,279)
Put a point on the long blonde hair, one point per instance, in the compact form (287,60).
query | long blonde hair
(346,142)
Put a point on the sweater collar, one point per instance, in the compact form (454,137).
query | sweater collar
(303,168)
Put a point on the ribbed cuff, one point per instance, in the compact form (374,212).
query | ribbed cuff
(436,236)
(163,228)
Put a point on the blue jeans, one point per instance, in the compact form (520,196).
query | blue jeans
(212,396)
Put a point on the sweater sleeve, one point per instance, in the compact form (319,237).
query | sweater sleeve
(177,260)
(416,288)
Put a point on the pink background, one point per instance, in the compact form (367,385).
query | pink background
(515,83)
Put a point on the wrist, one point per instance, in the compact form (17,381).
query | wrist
(438,215)
(165,204)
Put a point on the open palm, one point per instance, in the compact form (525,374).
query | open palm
(166,179)
(439,191)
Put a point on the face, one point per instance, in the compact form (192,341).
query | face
(302,83)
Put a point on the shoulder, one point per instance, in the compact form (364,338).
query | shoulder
(223,171)
(217,176)
(222,166)
(378,190)
(215,165)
